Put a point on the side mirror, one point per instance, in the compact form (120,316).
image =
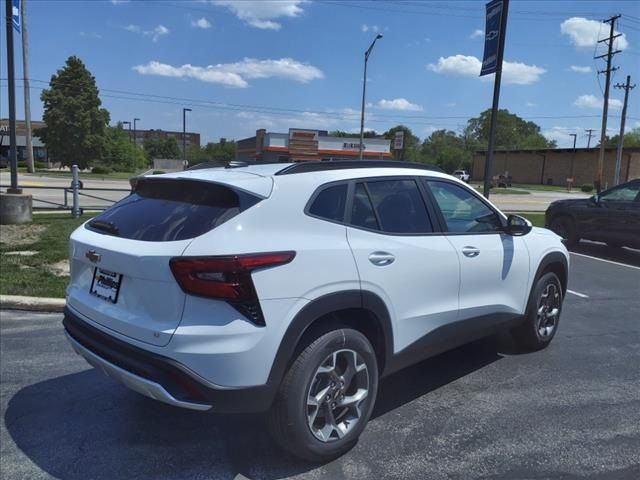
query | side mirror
(517,226)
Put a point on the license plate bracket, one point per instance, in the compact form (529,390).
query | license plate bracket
(106,284)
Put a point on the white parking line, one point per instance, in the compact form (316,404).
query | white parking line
(606,261)
(578,294)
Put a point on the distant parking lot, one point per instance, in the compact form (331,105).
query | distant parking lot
(570,411)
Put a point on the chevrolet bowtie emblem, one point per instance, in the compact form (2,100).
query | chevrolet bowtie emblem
(93,256)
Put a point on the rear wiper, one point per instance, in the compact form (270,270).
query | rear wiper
(107,227)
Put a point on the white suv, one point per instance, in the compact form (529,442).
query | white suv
(293,288)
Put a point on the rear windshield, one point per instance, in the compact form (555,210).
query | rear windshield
(165,210)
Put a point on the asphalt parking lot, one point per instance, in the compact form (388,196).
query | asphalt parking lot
(570,411)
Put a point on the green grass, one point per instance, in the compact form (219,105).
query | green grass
(34,278)
(544,188)
(536,218)
(504,191)
(84,175)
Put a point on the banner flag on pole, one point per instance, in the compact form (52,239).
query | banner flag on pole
(491,37)
(15,13)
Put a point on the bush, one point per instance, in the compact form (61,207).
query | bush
(118,167)
(101,170)
(157,172)
(586,188)
(40,165)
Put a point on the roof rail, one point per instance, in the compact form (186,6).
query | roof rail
(319,166)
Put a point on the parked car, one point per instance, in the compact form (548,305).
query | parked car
(613,217)
(293,288)
(462,175)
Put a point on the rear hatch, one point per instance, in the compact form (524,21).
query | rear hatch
(120,274)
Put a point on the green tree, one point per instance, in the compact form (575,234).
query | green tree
(75,121)
(222,152)
(411,150)
(120,153)
(512,132)
(160,146)
(631,139)
(447,150)
(365,134)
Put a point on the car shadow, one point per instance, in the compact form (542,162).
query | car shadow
(628,256)
(85,425)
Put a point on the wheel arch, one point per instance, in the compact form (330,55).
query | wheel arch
(361,310)
(557,263)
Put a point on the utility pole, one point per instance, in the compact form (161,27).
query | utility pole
(135,120)
(184,134)
(573,155)
(11,74)
(589,134)
(364,91)
(605,106)
(27,91)
(627,87)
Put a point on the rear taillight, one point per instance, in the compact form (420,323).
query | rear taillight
(227,278)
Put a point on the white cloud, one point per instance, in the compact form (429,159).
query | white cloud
(154,33)
(236,74)
(261,13)
(585,33)
(95,35)
(477,33)
(469,66)
(201,23)
(399,104)
(117,2)
(591,101)
(530,104)
(580,69)
(373,28)
(561,135)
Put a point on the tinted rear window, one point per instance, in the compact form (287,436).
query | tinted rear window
(165,210)
(330,203)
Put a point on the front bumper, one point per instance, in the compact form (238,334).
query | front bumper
(159,377)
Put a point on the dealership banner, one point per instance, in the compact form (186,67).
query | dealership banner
(15,14)
(491,37)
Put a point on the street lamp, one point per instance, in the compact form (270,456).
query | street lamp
(135,143)
(184,132)
(364,90)
(129,123)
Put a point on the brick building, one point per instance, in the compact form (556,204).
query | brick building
(555,166)
(301,144)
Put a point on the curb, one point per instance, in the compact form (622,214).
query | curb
(32,304)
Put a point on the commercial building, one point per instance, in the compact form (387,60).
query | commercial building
(302,144)
(39,149)
(556,166)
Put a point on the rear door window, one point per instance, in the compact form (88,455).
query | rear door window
(165,210)
(391,206)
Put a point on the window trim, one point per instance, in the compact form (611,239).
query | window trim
(445,229)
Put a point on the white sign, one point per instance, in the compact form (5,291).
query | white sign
(398,141)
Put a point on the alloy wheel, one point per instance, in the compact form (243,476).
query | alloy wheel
(339,387)
(548,310)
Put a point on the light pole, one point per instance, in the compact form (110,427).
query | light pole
(573,155)
(184,133)
(135,142)
(129,123)
(364,91)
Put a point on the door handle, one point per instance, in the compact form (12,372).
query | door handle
(381,259)
(470,252)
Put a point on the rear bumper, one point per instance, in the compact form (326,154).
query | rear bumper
(159,377)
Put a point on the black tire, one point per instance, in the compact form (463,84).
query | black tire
(532,334)
(288,419)
(564,226)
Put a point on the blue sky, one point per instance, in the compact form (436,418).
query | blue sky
(257,64)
